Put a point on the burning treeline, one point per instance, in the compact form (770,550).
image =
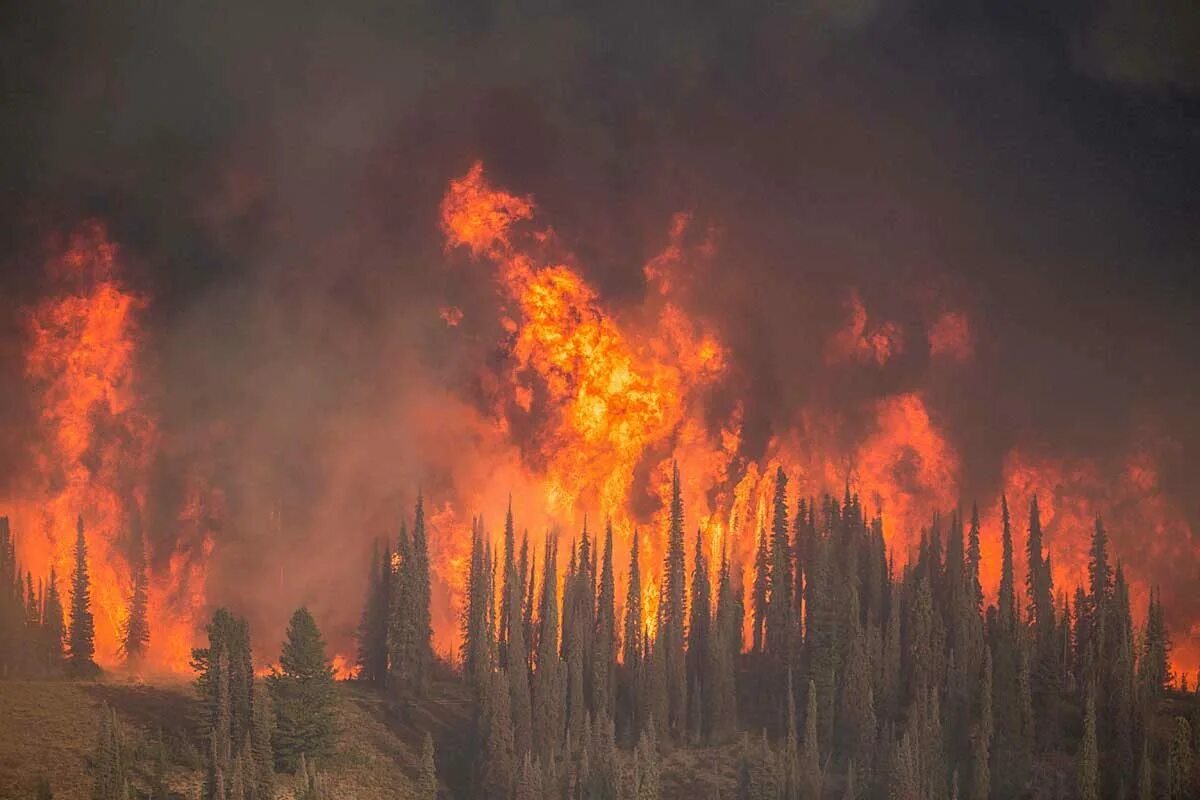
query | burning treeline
(580,410)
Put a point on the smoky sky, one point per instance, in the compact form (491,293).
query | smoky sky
(272,173)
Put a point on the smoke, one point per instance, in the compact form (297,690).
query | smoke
(933,245)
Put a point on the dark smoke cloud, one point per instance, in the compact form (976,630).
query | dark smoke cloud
(272,173)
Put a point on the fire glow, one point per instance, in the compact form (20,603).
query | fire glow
(580,422)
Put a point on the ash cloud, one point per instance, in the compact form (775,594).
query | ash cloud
(273,175)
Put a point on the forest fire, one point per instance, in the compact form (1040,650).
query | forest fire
(584,419)
(95,447)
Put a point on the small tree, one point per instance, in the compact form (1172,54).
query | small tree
(427,782)
(135,635)
(81,642)
(303,694)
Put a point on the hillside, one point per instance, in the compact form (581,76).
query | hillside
(49,729)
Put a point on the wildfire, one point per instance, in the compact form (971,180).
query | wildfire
(96,439)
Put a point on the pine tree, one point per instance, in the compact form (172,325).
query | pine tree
(475,644)
(109,764)
(810,752)
(262,751)
(303,694)
(52,616)
(981,779)
(604,639)
(762,591)
(81,647)
(548,681)
(518,667)
(1007,600)
(699,647)
(778,633)
(427,782)
(672,612)
(1179,762)
(372,628)
(136,633)
(497,775)
(647,780)
(974,558)
(508,573)
(422,646)
(1089,757)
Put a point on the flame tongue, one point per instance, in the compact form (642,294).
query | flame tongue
(96,440)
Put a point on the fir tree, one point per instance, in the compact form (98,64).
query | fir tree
(1179,762)
(1007,599)
(303,694)
(81,647)
(778,633)
(509,574)
(1089,757)
(419,599)
(762,591)
(372,628)
(262,751)
(698,646)
(109,763)
(974,558)
(548,712)
(497,774)
(427,782)
(52,616)
(135,635)
(518,668)
(810,753)
(604,638)
(672,612)
(475,644)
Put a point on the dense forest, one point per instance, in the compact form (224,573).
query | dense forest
(861,678)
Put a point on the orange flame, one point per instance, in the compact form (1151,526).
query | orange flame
(96,440)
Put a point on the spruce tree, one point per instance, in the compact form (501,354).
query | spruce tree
(372,628)
(778,633)
(672,612)
(81,648)
(631,689)
(135,635)
(604,659)
(419,599)
(52,620)
(262,751)
(974,558)
(1089,756)
(517,666)
(1180,783)
(762,591)
(427,782)
(302,691)
(548,679)
(1007,599)
(699,647)
(475,644)
(508,573)
(497,774)
(810,753)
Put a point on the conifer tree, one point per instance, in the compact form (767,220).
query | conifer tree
(109,763)
(810,752)
(699,646)
(422,649)
(778,633)
(135,635)
(725,644)
(1007,599)
(647,782)
(303,694)
(475,644)
(762,591)
(1179,762)
(508,570)
(672,612)
(1089,757)
(497,775)
(262,754)
(372,628)
(81,647)
(548,680)
(518,668)
(52,621)
(974,558)
(604,640)
(427,781)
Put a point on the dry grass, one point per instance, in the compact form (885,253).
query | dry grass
(49,728)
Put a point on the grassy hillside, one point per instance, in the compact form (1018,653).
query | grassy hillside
(49,729)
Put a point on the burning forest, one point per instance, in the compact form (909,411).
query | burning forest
(568,398)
